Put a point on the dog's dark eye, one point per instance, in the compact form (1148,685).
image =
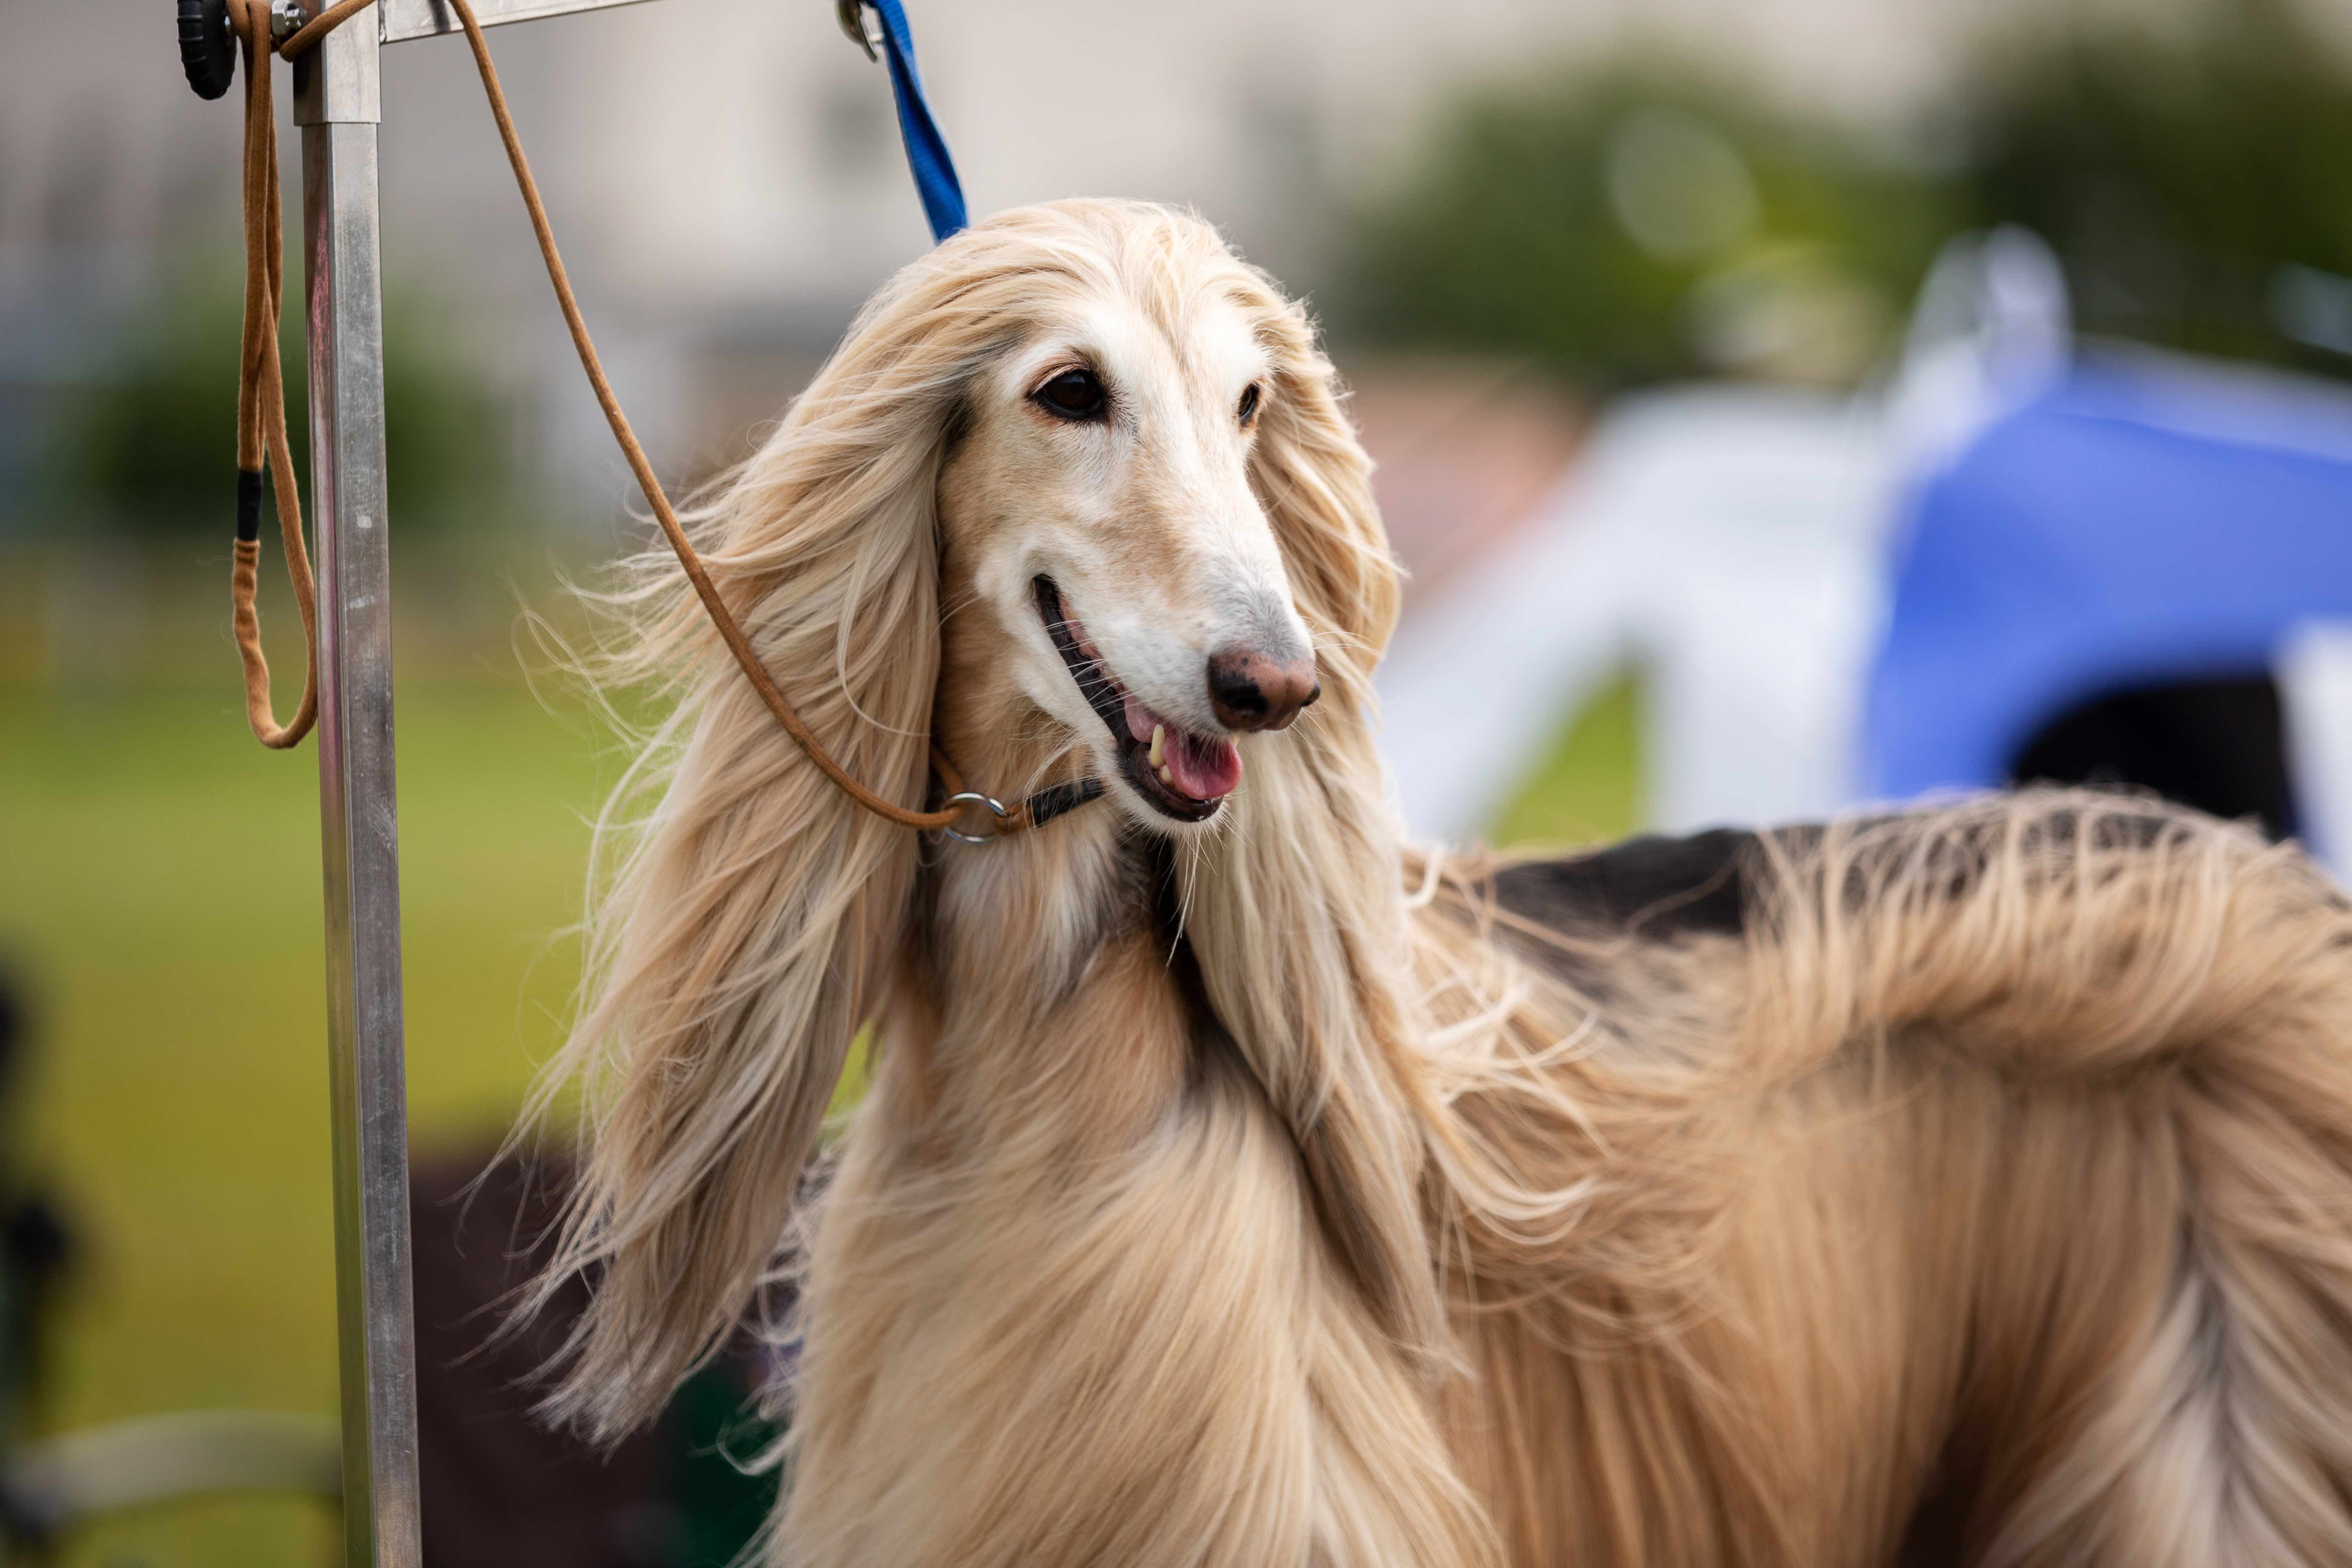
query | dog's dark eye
(1074,395)
(1249,403)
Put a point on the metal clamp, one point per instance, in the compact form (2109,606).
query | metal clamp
(974,797)
(852,13)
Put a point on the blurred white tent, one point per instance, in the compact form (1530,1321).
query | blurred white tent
(1729,541)
(1737,545)
(1725,539)
(2315,677)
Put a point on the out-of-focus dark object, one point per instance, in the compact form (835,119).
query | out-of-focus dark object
(502,1488)
(51,1487)
(2218,745)
(35,1244)
(208,46)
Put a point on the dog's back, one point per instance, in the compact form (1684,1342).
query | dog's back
(2012,1187)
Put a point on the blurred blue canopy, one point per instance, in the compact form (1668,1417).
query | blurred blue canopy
(2139,524)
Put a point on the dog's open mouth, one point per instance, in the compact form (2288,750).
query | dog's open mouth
(1183,775)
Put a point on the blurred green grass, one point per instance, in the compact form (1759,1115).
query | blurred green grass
(160,889)
(1589,786)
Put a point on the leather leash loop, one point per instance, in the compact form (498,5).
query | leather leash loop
(261,434)
(261,415)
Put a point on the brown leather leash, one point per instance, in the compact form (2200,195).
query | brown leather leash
(261,431)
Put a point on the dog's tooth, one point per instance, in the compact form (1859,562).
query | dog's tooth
(1158,741)
(1166,777)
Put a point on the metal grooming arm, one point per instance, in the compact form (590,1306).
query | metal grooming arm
(338,105)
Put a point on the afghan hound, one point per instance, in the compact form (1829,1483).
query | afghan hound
(1239,1185)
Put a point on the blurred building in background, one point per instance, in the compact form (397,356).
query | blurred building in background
(1507,211)
(725,177)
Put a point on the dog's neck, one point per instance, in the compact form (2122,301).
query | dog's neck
(1066,956)
(1013,925)
(1009,932)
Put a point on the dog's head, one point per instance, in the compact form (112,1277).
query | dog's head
(1107,550)
(1076,498)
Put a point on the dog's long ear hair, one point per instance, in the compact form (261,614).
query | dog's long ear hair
(746,914)
(1298,919)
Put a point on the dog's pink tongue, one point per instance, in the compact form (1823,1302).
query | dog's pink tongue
(1203,769)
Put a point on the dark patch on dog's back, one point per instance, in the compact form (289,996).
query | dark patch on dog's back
(1654,887)
(1663,889)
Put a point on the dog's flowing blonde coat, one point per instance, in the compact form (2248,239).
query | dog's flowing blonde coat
(1266,1193)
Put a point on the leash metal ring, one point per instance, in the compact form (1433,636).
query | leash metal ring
(974,797)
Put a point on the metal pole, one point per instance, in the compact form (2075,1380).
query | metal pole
(338,105)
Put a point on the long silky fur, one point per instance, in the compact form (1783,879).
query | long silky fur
(1280,1197)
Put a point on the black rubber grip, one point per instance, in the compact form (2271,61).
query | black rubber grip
(207,45)
(248,505)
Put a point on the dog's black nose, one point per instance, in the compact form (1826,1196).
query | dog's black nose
(1251,690)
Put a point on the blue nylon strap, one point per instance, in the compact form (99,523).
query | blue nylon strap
(927,150)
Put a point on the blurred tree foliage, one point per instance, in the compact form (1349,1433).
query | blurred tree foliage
(1515,238)
(2188,182)
(151,447)
(2196,180)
